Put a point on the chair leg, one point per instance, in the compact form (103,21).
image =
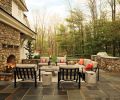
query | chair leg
(35,79)
(58,80)
(83,76)
(58,85)
(79,83)
(15,84)
(39,74)
(98,75)
(14,79)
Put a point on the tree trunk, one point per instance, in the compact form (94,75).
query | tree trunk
(119,48)
(114,46)
(106,48)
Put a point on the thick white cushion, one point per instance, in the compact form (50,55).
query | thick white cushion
(61,58)
(87,61)
(43,64)
(68,66)
(94,64)
(61,64)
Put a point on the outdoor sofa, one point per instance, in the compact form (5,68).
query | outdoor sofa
(88,65)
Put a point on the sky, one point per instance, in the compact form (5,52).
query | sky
(53,7)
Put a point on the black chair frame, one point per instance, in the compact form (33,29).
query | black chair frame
(69,74)
(25,73)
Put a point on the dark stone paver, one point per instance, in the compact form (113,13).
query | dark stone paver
(32,98)
(18,94)
(47,91)
(108,88)
(60,92)
(75,95)
(56,97)
(34,91)
(3,96)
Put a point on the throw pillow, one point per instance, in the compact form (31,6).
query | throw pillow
(43,61)
(81,61)
(62,61)
(89,66)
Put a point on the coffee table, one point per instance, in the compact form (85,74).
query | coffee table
(49,68)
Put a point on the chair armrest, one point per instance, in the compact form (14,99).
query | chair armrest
(67,62)
(95,69)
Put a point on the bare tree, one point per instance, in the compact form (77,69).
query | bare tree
(93,9)
(112,4)
(40,19)
(54,21)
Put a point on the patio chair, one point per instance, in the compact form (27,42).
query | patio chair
(69,74)
(95,68)
(61,61)
(26,73)
(44,61)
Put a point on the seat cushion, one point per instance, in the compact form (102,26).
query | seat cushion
(61,64)
(43,64)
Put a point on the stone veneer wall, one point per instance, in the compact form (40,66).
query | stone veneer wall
(6,5)
(9,43)
(108,63)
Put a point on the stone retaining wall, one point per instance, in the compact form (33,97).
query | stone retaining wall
(108,63)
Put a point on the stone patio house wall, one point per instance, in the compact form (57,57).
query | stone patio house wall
(107,63)
(14,30)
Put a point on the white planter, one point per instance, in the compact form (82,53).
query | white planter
(47,78)
(90,77)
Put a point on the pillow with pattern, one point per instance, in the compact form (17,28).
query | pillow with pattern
(62,61)
(43,60)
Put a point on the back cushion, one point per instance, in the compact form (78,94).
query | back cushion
(87,61)
(61,59)
(44,59)
(94,64)
(81,61)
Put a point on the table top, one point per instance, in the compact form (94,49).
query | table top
(49,68)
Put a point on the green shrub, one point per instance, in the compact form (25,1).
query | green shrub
(36,57)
